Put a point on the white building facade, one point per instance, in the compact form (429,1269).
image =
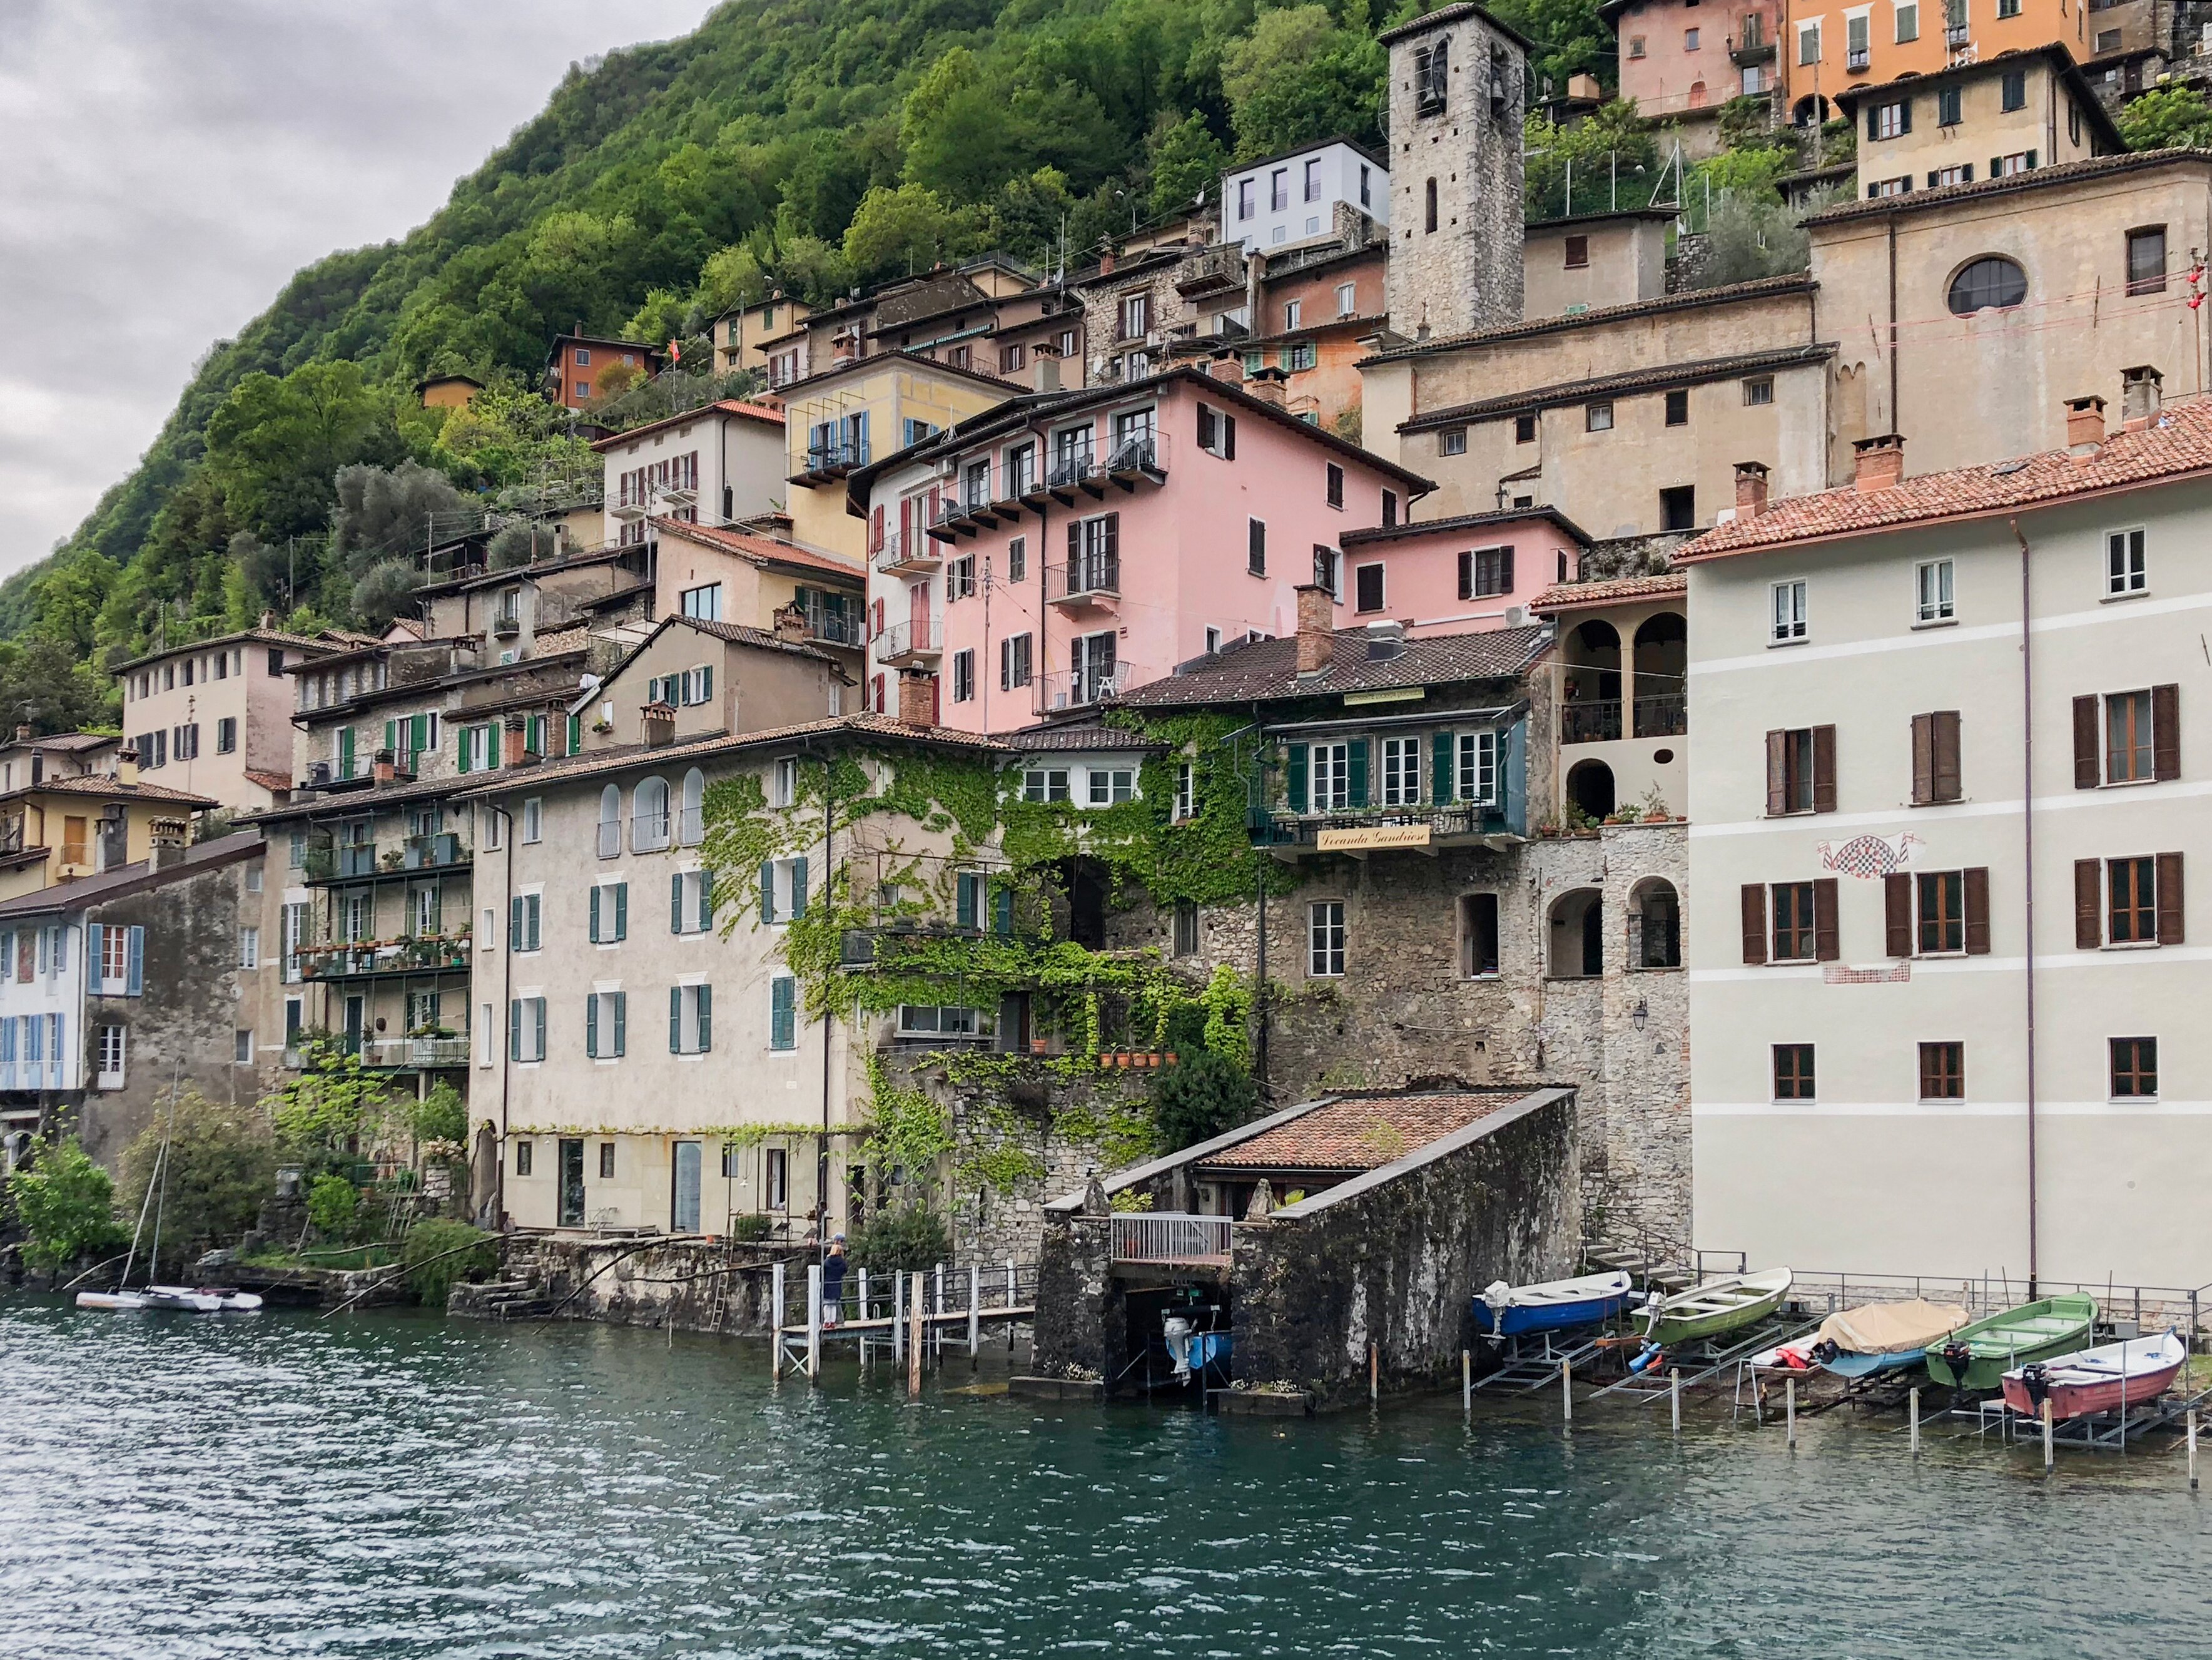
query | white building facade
(1288,197)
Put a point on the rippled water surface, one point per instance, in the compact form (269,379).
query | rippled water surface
(397,1485)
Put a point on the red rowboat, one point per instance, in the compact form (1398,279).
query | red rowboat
(2097,1380)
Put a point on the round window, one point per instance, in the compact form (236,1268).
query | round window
(1987,284)
(1662,757)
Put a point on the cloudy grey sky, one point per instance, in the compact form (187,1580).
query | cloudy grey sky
(164,165)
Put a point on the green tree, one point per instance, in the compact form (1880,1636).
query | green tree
(1203,1094)
(65,1203)
(733,277)
(332,1203)
(1187,162)
(812,269)
(220,1165)
(960,138)
(905,1240)
(276,445)
(1571,37)
(440,1254)
(1299,76)
(1613,142)
(44,686)
(2167,118)
(1749,237)
(328,1106)
(666,315)
(896,232)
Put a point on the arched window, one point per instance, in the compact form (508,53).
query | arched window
(1991,283)
(691,829)
(1432,204)
(1577,935)
(1662,646)
(1589,786)
(1810,110)
(648,819)
(1654,925)
(610,821)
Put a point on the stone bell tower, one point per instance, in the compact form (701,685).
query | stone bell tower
(1458,88)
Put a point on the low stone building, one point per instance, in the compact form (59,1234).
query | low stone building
(1337,1243)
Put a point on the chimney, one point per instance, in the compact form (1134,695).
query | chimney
(514,741)
(22,734)
(659,725)
(1046,369)
(791,624)
(2140,397)
(1750,489)
(917,698)
(126,764)
(384,768)
(1266,384)
(1316,628)
(2085,425)
(1880,462)
(114,836)
(1106,262)
(1227,366)
(167,847)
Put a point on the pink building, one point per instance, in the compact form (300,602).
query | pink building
(1680,55)
(1065,546)
(1460,576)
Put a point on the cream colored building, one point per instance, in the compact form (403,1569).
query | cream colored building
(1593,260)
(708,466)
(2010,112)
(646,1057)
(215,718)
(766,336)
(1862,972)
(1619,694)
(746,574)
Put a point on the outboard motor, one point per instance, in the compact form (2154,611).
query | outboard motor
(1177,1330)
(2035,1378)
(1958,1357)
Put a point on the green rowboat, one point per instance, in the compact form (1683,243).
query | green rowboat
(1716,1306)
(1976,1357)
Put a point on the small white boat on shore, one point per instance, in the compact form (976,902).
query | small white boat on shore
(173,1299)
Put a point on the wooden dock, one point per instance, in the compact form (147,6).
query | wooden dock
(923,1309)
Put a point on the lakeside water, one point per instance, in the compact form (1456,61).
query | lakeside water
(393,1486)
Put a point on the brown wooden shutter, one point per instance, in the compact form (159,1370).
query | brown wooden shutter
(1754,923)
(1506,576)
(2085,743)
(1978,911)
(2169,899)
(1943,733)
(2166,732)
(1777,774)
(1826,946)
(1824,770)
(1897,913)
(1923,759)
(2088,901)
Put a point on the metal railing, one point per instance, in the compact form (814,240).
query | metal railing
(1589,720)
(822,458)
(1072,467)
(429,953)
(1666,715)
(415,1052)
(690,826)
(903,552)
(1168,1238)
(611,838)
(1084,576)
(649,832)
(835,628)
(356,859)
(910,640)
(1072,689)
(1303,829)
(438,852)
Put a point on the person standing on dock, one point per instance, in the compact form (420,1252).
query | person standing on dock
(833,1281)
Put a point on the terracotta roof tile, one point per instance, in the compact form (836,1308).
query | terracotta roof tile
(1269,668)
(2178,447)
(1604,385)
(749,544)
(724,406)
(2096,167)
(1359,1133)
(1759,287)
(1037,739)
(100,784)
(1569,596)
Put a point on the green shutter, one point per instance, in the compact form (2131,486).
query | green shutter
(768,892)
(707,683)
(782,1033)
(391,733)
(1358,751)
(1297,778)
(591,1026)
(621,1012)
(965,900)
(595,913)
(514,1029)
(1002,910)
(706,1018)
(676,1020)
(621,911)
(418,734)
(676,903)
(345,751)
(798,886)
(1441,779)
(535,916)
(514,923)
(706,900)
(575,733)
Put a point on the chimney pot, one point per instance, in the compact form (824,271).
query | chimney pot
(917,698)
(1228,368)
(791,624)
(514,739)
(22,734)
(1266,384)
(126,764)
(1316,628)
(659,725)
(2141,398)
(1106,262)
(2085,424)
(1046,369)
(1750,489)
(383,768)
(1880,462)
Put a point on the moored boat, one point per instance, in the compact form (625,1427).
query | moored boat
(1502,1311)
(1716,1307)
(1883,1336)
(2102,1379)
(1977,1356)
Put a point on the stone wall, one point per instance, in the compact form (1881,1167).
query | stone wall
(700,1287)
(1395,1260)
(1082,1328)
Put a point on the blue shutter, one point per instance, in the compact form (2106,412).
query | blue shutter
(138,969)
(706,1018)
(1357,751)
(621,911)
(514,1029)
(768,892)
(676,903)
(94,961)
(1297,778)
(622,1010)
(514,923)
(591,1025)
(595,913)
(676,1020)
(538,1019)
(964,902)
(798,886)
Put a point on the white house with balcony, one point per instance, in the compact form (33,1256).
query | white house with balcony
(713,465)
(1292,195)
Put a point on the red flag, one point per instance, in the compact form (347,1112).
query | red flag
(675,352)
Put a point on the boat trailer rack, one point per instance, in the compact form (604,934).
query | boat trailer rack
(1523,1370)
(2095,1432)
(1699,1362)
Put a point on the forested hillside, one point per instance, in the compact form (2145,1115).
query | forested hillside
(813,144)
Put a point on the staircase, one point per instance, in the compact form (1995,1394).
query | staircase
(1633,1259)
(498,1299)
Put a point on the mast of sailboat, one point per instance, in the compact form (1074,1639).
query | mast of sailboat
(154,1257)
(144,1203)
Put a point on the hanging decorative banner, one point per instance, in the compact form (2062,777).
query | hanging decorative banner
(1868,857)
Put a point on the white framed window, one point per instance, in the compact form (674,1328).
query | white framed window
(609,912)
(2125,571)
(690,1019)
(1348,299)
(1452,441)
(1332,776)
(249,948)
(525,913)
(493,833)
(691,902)
(533,819)
(1476,753)
(241,1046)
(1014,654)
(526,1028)
(1401,771)
(1044,784)
(1788,625)
(112,1039)
(963,676)
(1110,786)
(1213,639)
(607,1025)
(704,602)
(1325,939)
(1293,311)
(783,781)
(938,1020)
(1185,790)
(1931,591)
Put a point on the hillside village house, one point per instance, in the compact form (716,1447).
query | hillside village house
(1827,53)
(1065,547)
(1593,260)
(1480,570)
(58,830)
(553,606)
(699,677)
(576,363)
(763,336)
(28,756)
(1873,971)
(708,466)
(1621,695)
(1292,195)
(214,717)
(746,574)
(1683,60)
(117,987)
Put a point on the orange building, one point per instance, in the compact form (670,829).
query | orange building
(1828,48)
(573,368)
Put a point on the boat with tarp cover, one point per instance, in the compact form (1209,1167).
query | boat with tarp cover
(1878,1337)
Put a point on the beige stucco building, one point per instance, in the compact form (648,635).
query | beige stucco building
(1865,988)
(215,718)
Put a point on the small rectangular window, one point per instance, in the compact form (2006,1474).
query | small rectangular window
(2131,889)
(2134,1069)
(1908,23)
(963,676)
(1948,102)
(1942,1072)
(1452,441)
(1678,407)
(1185,790)
(523,1149)
(1931,589)
(1478,935)
(2147,260)
(1577,252)
(2126,570)
(1325,939)
(1794,932)
(1940,919)
(1367,580)
(606,1161)
(1524,429)
(1045,784)
(533,819)
(1598,418)
(1186,927)
(2015,80)
(1793,1071)
(1335,482)
(1678,508)
(1758,391)
(1790,613)
(1255,547)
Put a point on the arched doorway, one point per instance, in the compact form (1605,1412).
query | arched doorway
(1589,786)
(1577,935)
(1662,658)
(1654,925)
(1809,109)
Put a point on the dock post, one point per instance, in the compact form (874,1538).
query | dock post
(898,1316)
(1374,1373)
(1011,1300)
(1789,1406)
(2193,1448)
(937,1329)
(1674,1395)
(813,1322)
(913,1338)
(1566,1392)
(775,1302)
(2048,1459)
(975,1313)
(1466,1380)
(864,1319)
(1912,1406)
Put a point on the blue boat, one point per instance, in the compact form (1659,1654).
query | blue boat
(1882,1337)
(1502,1311)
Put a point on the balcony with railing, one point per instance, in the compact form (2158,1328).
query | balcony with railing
(903,644)
(1662,715)
(649,832)
(1216,270)
(1078,688)
(398,1053)
(835,461)
(836,627)
(1167,1239)
(911,555)
(609,838)
(373,959)
(1589,720)
(1087,581)
(1453,824)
